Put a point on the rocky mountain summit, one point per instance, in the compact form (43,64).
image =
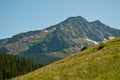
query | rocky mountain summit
(58,41)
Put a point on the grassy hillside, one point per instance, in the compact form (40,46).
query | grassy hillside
(101,62)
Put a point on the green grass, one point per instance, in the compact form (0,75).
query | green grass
(40,39)
(94,63)
(66,51)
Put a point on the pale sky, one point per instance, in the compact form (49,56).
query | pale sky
(18,16)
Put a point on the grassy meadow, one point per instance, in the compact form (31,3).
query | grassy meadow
(100,62)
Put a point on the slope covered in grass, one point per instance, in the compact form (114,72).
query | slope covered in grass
(101,62)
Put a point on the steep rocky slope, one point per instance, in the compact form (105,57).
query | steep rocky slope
(58,41)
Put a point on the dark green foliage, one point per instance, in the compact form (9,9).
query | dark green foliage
(85,47)
(11,66)
(101,46)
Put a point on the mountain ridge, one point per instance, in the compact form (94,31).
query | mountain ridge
(60,40)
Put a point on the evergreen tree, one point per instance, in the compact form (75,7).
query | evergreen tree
(11,66)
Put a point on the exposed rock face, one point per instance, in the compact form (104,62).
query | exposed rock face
(59,40)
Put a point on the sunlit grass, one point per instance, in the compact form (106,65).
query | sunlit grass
(94,63)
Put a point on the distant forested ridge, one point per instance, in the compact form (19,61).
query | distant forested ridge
(11,66)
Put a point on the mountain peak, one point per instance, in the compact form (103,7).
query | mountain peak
(76,19)
(97,21)
(66,37)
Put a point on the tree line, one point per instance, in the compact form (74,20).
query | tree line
(12,66)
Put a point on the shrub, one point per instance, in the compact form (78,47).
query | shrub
(85,47)
(101,46)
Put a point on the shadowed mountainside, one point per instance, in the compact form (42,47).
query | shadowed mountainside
(58,41)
